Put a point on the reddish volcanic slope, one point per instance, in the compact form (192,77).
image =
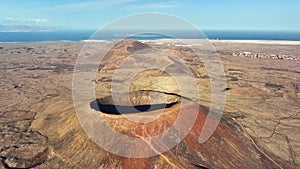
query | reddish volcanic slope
(228,147)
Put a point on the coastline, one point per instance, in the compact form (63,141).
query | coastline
(270,42)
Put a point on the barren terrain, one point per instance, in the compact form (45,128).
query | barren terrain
(259,129)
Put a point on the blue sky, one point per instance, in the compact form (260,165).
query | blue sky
(204,14)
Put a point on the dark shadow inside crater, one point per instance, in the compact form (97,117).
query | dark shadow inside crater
(123,109)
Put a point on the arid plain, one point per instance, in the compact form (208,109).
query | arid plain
(259,128)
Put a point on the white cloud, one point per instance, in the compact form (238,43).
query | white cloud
(27,20)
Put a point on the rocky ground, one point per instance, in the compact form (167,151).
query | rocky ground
(39,127)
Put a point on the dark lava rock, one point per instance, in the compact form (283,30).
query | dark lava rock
(21,147)
(273,85)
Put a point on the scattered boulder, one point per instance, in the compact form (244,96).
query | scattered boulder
(17,86)
(273,85)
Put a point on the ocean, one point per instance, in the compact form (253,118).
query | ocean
(210,34)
